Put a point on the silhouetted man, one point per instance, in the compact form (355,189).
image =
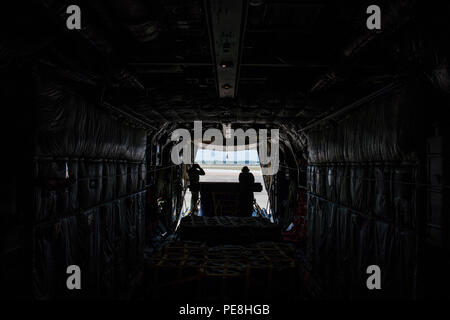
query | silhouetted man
(194,174)
(246,182)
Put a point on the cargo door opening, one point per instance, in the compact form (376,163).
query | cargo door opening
(225,167)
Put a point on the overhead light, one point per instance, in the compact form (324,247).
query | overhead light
(226,64)
(226,86)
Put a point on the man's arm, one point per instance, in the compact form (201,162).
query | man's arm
(200,171)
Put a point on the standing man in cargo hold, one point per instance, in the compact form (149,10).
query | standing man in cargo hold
(246,182)
(194,174)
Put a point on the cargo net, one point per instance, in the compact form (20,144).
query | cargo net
(106,242)
(225,229)
(193,271)
(361,214)
(362,191)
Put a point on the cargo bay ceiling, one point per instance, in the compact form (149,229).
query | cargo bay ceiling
(249,62)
